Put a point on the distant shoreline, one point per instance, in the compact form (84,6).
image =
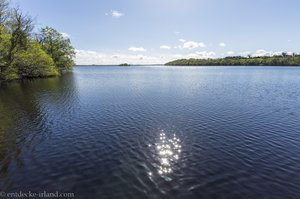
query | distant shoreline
(276,60)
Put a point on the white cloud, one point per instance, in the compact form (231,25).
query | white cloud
(262,52)
(177,56)
(116,14)
(230,53)
(192,44)
(202,45)
(205,54)
(137,49)
(178,47)
(198,55)
(165,47)
(182,40)
(191,55)
(176,32)
(222,44)
(202,55)
(86,57)
(65,35)
(245,53)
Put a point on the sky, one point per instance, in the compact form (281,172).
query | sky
(157,31)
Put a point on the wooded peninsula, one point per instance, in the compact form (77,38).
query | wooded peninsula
(28,54)
(277,60)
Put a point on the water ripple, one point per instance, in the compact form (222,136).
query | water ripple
(154,132)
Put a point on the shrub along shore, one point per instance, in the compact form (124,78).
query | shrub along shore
(28,54)
(277,60)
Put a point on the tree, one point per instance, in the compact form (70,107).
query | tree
(4,46)
(20,27)
(3,11)
(58,47)
(15,34)
(34,62)
(4,36)
(21,56)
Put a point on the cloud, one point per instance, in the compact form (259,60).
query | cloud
(65,35)
(196,55)
(177,56)
(205,54)
(137,49)
(182,40)
(262,52)
(192,44)
(116,14)
(177,47)
(165,47)
(202,55)
(176,32)
(222,44)
(245,53)
(230,53)
(87,57)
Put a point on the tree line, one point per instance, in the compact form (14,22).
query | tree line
(276,60)
(27,54)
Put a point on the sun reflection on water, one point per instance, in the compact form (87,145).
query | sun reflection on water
(168,150)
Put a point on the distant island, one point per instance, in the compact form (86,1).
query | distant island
(277,60)
(124,64)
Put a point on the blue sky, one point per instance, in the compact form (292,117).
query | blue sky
(156,31)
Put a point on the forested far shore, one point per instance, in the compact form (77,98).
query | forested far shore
(28,54)
(277,60)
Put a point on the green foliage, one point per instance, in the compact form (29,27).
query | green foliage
(20,27)
(58,47)
(277,60)
(10,73)
(34,62)
(4,46)
(21,56)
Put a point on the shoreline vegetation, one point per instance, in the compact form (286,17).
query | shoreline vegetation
(276,60)
(28,54)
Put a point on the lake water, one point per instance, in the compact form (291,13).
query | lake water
(154,132)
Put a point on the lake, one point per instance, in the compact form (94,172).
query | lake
(154,132)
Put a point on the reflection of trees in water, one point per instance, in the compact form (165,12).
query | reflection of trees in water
(24,114)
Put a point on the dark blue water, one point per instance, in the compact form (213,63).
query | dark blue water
(154,132)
